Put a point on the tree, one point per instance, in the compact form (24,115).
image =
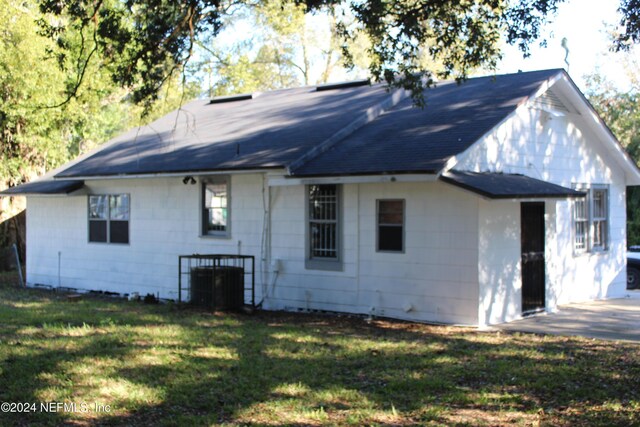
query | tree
(40,126)
(143,42)
(287,47)
(630,23)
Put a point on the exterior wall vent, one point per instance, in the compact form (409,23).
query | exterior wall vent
(232,98)
(343,85)
(549,101)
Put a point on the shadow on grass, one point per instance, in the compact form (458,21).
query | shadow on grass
(285,369)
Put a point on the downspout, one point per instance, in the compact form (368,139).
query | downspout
(265,244)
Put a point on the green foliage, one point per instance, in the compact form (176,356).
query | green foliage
(25,84)
(41,126)
(630,22)
(141,43)
(36,135)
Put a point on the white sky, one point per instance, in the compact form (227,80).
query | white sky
(583,23)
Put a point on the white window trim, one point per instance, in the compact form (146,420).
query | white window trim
(108,220)
(590,246)
(218,179)
(607,219)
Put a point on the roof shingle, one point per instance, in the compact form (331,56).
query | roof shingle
(413,140)
(275,129)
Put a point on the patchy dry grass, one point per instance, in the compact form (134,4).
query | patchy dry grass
(158,365)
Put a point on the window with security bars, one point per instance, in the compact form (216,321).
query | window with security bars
(323,222)
(580,224)
(600,215)
(591,219)
(109,218)
(390,225)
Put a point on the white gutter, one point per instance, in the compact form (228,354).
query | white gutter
(283,181)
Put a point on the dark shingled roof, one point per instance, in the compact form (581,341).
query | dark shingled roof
(413,140)
(507,186)
(277,129)
(47,186)
(271,130)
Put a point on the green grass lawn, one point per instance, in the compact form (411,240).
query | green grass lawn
(160,365)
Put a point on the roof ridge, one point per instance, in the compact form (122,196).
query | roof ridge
(368,116)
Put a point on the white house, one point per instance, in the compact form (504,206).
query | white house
(504,195)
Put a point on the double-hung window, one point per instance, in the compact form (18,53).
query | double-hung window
(591,219)
(215,213)
(323,228)
(109,218)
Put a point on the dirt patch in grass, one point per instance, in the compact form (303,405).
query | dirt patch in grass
(162,365)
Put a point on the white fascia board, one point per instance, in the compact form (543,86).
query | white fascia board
(283,181)
(163,175)
(571,92)
(503,199)
(611,144)
(80,192)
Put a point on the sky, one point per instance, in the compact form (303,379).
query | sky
(583,23)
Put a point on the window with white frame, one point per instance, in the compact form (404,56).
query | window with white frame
(323,228)
(215,199)
(591,219)
(109,218)
(580,224)
(600,218)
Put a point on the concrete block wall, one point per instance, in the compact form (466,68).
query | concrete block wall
(164,223)
(435,279)
(558,149)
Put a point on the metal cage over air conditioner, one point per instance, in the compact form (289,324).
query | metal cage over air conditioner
(217,282)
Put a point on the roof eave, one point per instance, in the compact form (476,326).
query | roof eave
(566,194)
(171,174)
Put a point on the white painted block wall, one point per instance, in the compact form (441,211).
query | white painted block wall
(435,279)
(164,223)
(558,150)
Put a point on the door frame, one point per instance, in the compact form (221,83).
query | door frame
(534,275)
